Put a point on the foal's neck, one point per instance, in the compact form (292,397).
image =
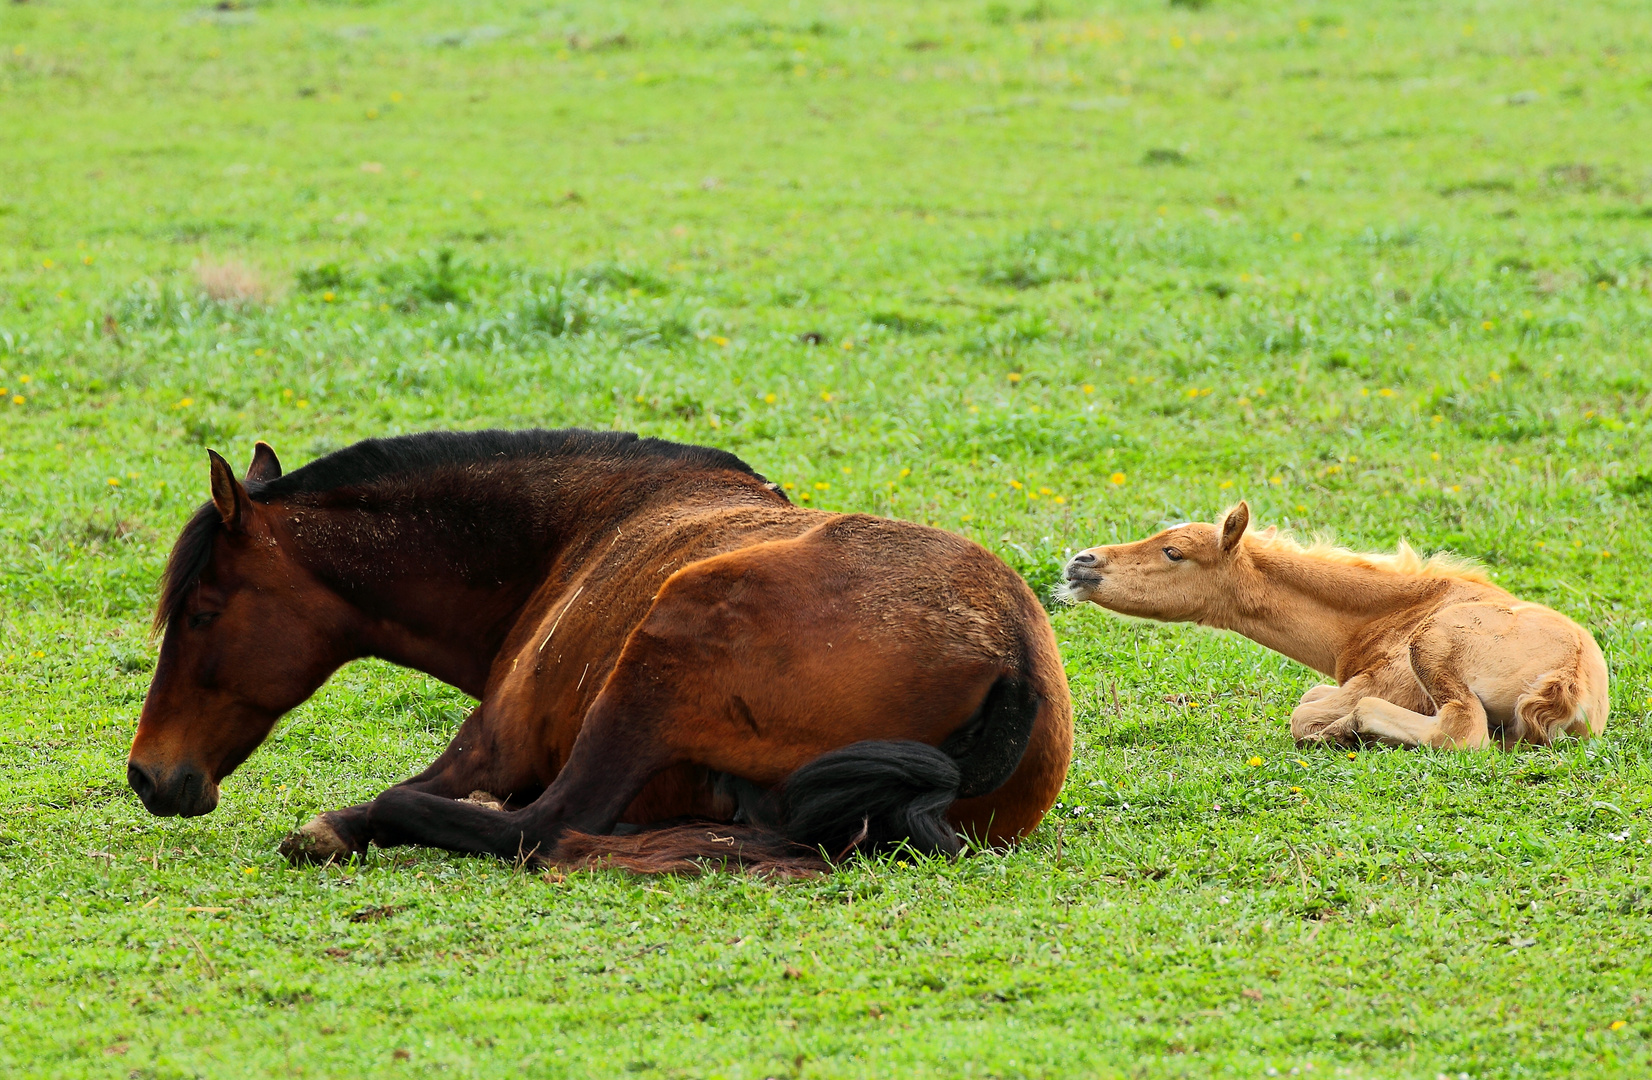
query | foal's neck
(1311,609)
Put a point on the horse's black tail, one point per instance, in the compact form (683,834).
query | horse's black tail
(874,795)
(864,797)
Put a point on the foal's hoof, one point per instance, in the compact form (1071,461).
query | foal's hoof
(1337,733)
(316,842)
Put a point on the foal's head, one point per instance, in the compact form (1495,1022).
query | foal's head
(247,635)
(1177,575)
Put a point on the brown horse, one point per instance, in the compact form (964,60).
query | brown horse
(653,633)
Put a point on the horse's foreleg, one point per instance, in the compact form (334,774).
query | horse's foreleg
(471,764)
(612,760)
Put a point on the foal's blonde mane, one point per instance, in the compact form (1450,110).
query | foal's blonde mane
(1404,560)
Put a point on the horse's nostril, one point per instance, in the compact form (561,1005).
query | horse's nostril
(1084,558)
(140,781)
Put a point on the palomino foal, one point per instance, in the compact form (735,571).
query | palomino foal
(1424,652)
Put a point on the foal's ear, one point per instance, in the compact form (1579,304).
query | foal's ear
(265,465)
(227,493)
(1234,524)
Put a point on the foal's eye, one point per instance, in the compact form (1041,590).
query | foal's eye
(1172,554)
(201,618)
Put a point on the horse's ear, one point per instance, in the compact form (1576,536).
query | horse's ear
(1234,525)
(227,493)
(265,465)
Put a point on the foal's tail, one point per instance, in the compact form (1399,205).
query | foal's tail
(867,796)
(1571,700)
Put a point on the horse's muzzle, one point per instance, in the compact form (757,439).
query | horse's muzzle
(185,792)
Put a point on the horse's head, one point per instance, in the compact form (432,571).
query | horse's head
(248,633)
(1174,576)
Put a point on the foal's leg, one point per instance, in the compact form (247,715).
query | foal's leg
(1459,721)
(1459,725)
(1324,705)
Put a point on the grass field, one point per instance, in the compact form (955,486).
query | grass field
(1049,273)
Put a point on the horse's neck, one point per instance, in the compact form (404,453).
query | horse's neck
(438,591)
(1311,609)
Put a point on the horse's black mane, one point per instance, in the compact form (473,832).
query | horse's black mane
(373,460)
(379,459)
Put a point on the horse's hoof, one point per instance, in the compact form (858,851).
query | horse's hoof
(483,799)
(317,842)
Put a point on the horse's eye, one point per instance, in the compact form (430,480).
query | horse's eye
(1172,554)
(201,618)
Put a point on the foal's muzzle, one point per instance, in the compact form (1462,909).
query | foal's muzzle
(1083,572)
(184,792)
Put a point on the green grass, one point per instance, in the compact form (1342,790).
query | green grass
(1049,274)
